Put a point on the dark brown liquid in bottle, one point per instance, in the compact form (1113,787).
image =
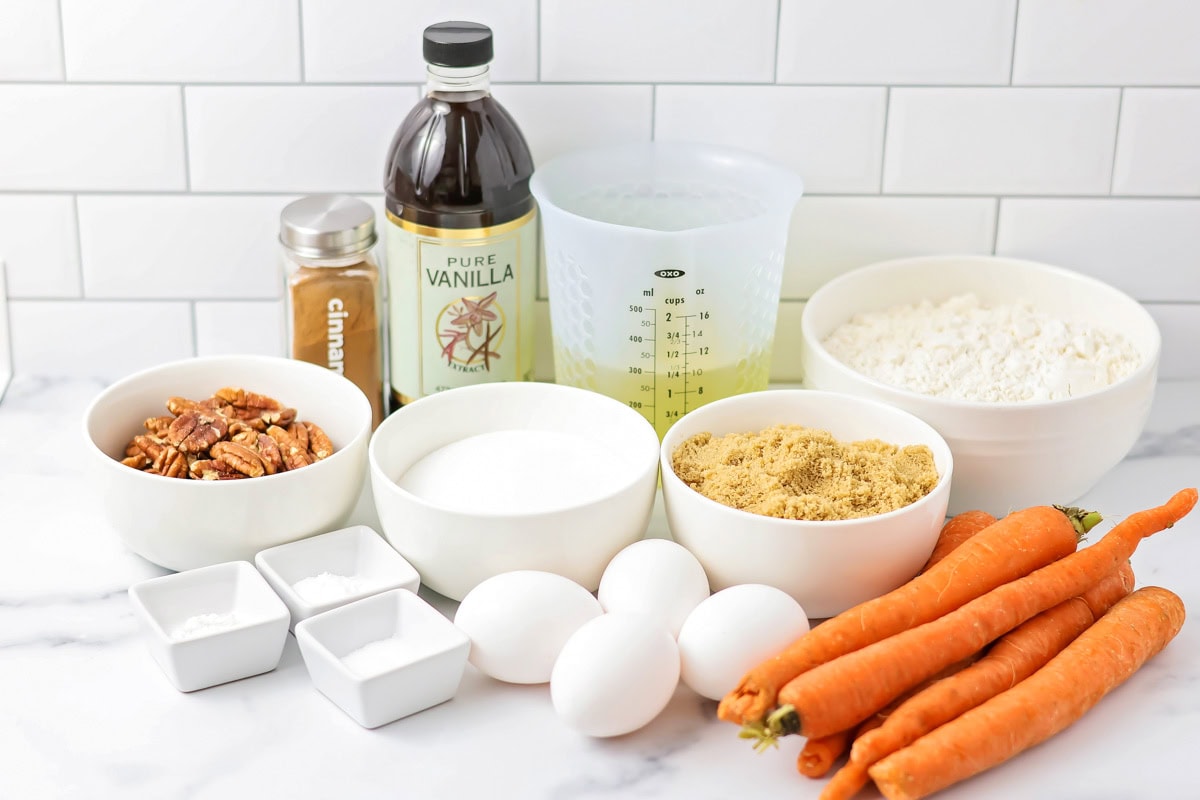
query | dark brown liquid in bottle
(458,165)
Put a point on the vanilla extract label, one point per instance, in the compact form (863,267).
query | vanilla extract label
(462,301)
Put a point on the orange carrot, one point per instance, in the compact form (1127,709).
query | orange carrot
(818,755)
(843,692)
(1001,552)
(1014,657)
(1051,699)
(957,530)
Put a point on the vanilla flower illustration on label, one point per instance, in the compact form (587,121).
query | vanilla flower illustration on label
(474,331)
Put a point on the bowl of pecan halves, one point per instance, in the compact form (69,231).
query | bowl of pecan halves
(208,460)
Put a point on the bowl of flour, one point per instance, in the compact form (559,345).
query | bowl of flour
(1039,378)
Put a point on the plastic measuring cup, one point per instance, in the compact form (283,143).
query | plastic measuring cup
(664,262)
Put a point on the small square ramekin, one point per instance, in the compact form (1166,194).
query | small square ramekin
(419,661)
(356,554)
(211,625)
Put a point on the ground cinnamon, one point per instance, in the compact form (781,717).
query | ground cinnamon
(335,323)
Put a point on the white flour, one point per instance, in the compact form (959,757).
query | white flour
(961,349)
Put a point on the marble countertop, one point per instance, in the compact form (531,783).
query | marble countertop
(85,712)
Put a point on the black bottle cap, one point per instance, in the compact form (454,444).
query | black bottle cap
(458,44)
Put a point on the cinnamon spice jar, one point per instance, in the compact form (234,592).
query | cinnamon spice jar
(334,296)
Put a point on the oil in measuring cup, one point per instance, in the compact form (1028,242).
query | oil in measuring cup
(664,262)
(677,352)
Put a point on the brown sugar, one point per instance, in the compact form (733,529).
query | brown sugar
(794,472)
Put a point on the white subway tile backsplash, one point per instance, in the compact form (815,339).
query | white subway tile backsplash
(180,246)
(255,328)
(97,339)
(1108,42)
(340,46)
(292,138)
(557,119)
(1148,248)
(724,41)
(64,137)
(38,243)
(146,148)
(1000,141)
(882,41)
(30,48)
(832,235)
(150,40)
(832,137)
(1157,143)
(1179,325)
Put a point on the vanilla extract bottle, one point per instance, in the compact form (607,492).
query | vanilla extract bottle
(461,228)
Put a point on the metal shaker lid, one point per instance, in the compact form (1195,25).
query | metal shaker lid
(327,226)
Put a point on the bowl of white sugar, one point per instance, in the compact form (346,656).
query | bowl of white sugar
(1039,378)
(479,480)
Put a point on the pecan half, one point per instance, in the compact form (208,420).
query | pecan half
(139,461)
(239,457)
(298,432)
(255,409)
(318,442)
(270,454)
(213,469)
(194,432)
(158,425)
(164,459)
(294,456)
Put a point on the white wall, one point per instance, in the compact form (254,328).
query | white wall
(146,146)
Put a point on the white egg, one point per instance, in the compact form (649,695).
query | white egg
(732,631)
(519,621)
(616,674)
(656,577)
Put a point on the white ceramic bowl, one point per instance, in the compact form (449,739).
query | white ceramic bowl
(827,566)
(181,524)
(1006,455)
(211,625)
(455,547)
(415,659)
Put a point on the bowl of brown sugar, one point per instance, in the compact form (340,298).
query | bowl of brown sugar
(834,499)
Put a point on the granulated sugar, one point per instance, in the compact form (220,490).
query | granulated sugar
(961,349)
(516,471)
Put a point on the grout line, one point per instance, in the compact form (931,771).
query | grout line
(653,112)
(187,155)
(417,82)
(1012,53)
(62,42)
(1184,198)
(79,246)
(887,111)
(195,338)
(996,227)
(775,65)
(1112,171)
(538,39)
(300,26)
